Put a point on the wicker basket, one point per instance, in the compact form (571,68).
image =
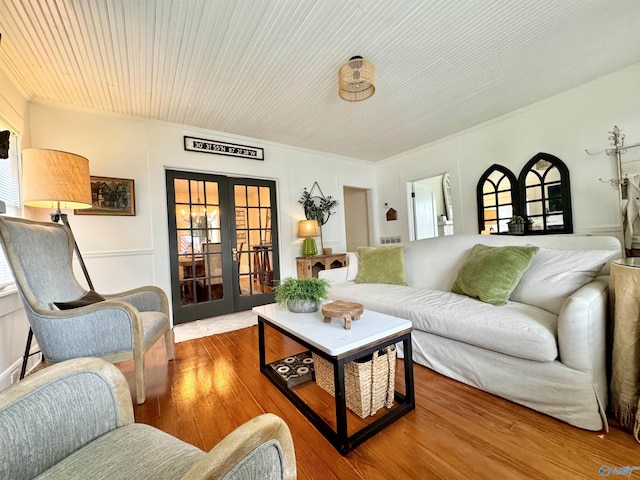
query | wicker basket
(369,384)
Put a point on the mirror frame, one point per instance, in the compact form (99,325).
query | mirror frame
(565,194)
(480,194)
(519,191)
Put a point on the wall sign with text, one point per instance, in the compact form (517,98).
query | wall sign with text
(222,148)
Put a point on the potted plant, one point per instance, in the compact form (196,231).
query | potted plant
(302,295)
(516,225)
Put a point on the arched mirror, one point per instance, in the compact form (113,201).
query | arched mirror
(546,195)
(497,195)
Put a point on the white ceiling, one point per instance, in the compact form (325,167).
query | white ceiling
(268,68)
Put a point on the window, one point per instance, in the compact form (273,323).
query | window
(9,194)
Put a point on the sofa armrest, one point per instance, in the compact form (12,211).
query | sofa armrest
(54,412)
(334,275)
(260,448)
(582,327)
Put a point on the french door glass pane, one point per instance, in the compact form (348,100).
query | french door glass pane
(253,236)
(198,230)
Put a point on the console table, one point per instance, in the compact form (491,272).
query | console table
(309,267)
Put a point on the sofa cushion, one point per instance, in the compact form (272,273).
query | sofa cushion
(491,273)
(381,265)
(514,329)
(556,274)
(133,451)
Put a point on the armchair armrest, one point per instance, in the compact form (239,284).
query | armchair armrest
(145,299)
(260,448)
(56,411)
(100,329)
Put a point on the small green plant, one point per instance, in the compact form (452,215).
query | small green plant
(517,220)
(311,289)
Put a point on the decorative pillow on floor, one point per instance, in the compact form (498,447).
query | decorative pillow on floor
(491,273)
(381,265)
(87,299)
(554,275)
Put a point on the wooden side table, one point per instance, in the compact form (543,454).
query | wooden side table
(624,296)
(308,267)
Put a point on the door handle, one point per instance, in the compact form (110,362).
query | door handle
(234,254)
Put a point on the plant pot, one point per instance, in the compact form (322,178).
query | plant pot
(516,228)
(302,306)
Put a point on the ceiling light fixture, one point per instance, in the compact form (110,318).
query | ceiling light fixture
(356,79)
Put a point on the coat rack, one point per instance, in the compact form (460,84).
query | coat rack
(616,138)
(617,142)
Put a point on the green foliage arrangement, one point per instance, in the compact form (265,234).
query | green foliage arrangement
(317,208)
(311,289)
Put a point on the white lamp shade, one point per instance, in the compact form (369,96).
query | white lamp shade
(51,178)
(308,228)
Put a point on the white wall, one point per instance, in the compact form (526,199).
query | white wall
(122,252)
(564,125)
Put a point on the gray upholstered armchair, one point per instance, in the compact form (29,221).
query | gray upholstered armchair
(74,420)
(121,327)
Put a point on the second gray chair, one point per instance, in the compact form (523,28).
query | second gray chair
(121,327)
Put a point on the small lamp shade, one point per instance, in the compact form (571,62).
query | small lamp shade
(308,228)
(356,80)
(54,179)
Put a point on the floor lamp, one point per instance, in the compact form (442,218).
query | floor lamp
(55,180)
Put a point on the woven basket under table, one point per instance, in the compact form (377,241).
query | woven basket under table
(369,385)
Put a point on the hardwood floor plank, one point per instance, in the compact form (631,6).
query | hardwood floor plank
(455,432)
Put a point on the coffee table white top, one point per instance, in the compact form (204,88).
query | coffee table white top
(332,338)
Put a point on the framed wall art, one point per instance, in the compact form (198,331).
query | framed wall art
(111,196)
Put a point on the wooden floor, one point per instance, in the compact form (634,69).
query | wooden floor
(455,432)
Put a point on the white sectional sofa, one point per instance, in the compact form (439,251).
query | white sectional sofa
(545,351)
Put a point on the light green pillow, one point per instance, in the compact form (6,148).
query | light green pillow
(381,265)
(490,274)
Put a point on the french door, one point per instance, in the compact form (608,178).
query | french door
(223,243)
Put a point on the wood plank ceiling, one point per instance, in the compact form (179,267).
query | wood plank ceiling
(268,68)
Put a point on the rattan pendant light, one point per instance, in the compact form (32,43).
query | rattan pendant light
(356,79)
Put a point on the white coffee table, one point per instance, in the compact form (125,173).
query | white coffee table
(339,346)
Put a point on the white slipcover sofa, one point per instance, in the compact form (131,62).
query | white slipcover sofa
(547,350)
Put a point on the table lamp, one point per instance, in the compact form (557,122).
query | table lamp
(308,229)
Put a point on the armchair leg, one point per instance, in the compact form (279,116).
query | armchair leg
(138,366)
(168,344)
(25,358)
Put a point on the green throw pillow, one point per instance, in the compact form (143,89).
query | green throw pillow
(381,265)
(491,273)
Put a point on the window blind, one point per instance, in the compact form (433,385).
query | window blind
(9,194)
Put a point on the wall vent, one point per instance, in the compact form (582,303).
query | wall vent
(391,240)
